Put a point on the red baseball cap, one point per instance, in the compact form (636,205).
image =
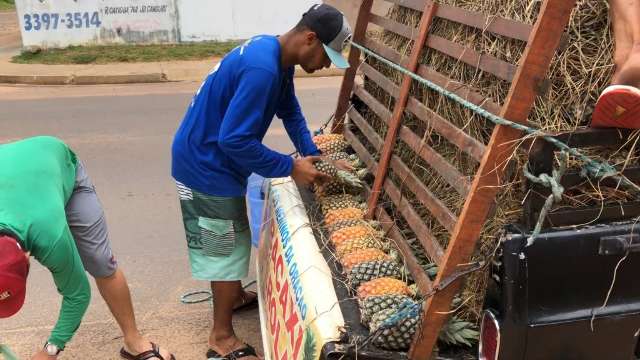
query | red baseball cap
(14,267)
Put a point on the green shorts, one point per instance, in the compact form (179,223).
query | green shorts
(218,235)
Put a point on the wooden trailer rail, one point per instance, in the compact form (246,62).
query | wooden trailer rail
(479,192)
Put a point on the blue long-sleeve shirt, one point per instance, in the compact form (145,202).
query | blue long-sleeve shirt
(219,143)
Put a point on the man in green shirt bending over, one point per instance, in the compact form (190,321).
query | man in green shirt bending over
(49,210)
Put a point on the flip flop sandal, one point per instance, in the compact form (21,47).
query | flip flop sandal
(247,302)
(236,354)
(149,354)
(618,106)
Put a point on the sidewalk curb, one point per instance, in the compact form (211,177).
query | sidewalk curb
(82,79)
(155,77)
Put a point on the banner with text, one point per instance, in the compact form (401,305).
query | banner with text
(298,304)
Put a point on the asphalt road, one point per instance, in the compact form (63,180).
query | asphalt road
(123,135)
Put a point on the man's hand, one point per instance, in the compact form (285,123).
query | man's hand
(305,173)
(42,355)
(343,165)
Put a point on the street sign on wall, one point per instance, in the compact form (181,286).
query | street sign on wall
(60,23)
(298,304)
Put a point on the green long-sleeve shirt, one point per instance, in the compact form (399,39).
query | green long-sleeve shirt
(37,176)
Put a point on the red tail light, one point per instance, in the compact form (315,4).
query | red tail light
(489,337)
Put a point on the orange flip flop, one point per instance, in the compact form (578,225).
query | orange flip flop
(618,106)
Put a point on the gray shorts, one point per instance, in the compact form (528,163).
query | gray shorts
(86,220)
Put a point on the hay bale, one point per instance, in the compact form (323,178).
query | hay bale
(580,70)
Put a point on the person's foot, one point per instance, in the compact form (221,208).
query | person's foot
(629,72)
(227,345)
(141,345)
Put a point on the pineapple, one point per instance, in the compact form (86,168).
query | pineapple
(339,156)
(383,286)
(360,256)
(353,160)
(351,245)
(333,216)
(336,187)
(323,138)
(396,336)
(340,175)
(352,232)
(335,202)
(333,146)
(374,304)
(341,224)
(370,270)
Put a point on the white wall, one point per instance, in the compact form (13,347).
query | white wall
(75,22)
(201,20)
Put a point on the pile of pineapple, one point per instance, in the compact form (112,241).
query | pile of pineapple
(371,267)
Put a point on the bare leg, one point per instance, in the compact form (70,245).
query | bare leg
(625,19)
(115,292)
(223,338)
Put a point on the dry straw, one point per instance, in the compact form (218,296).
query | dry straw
(580,70)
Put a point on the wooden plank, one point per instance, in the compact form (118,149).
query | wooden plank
(367,130)
(417,272)
(435,160)
(394,26)
(382,81)
(453,134)
(543,42)
(394,125)
(430,201)
(389,226)
(423,233)
(437,208)
(494,24)
(386,52)
(484,62)
(448,172)
(359,33)
(464,91)
(411,4)
(373,103)
(498,25)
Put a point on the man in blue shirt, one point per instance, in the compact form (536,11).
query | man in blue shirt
(219,144)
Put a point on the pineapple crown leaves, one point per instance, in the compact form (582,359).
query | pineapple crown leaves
(309,345)
(349,178)
(458,332)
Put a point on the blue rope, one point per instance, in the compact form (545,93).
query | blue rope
(406,310)
(552,182)
(591,167)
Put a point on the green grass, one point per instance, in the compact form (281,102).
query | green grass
(7,5)
(125,53)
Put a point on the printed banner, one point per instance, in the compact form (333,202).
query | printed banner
(298,304)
